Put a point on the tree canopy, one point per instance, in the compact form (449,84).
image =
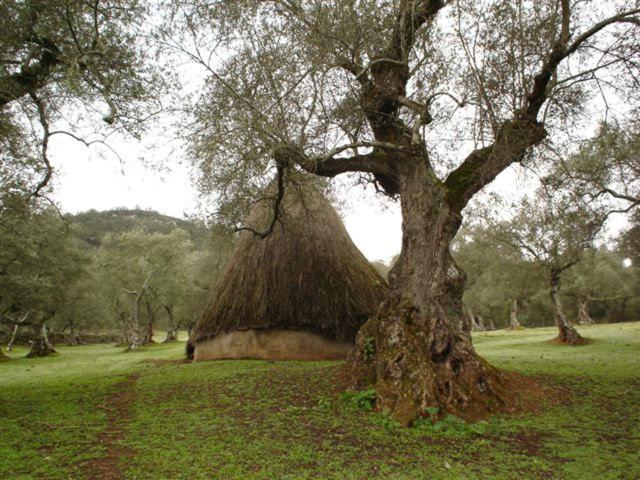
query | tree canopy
(61,60)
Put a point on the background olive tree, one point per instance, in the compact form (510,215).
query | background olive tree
(39,265)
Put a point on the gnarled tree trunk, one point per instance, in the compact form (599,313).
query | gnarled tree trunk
(566,332)
(74,337)
(40,347)
(476,322)
(514,324)
(415,351)
(583,312)
(172,336)
(134,339)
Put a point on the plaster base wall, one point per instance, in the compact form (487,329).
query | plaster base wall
(271,345)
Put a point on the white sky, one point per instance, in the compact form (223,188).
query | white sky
(96,178)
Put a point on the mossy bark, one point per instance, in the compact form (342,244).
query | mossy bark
(417,351)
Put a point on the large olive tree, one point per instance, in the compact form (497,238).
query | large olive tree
(431,100)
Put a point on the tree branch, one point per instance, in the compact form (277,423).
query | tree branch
(515,137)
(412,14)
(483,166)
(276,207)
(31,77)
(562,50)
(42,114)
(376,162)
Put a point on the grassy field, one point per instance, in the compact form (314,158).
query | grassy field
(95,412)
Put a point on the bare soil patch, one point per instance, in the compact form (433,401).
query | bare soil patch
(118,407)
(581,341)
(161,362)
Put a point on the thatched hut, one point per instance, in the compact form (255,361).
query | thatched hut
(302,292)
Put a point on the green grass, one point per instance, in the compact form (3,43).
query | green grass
(283,420)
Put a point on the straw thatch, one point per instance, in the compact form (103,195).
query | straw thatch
(307,275)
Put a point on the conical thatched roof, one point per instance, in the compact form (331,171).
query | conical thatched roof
(306,275)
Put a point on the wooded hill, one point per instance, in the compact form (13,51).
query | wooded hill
(93,225)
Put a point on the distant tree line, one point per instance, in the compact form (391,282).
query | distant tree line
(122,273)
(601,288)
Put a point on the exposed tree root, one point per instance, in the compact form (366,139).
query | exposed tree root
(413,367)
(571,339)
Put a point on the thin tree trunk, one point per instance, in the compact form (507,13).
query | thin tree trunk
(583,312)
(514,324)
(125,324)
(422,355)
(492,326)
(12,340)
(623,310)
(172,331)
(14,332)
(133,332)
(40,346)
(148,335)
(136,339)
(566,332)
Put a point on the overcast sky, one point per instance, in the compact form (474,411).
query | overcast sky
(97,179)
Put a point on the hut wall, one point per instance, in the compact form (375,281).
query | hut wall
(271,345)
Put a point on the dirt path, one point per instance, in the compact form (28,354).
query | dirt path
(119,409)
